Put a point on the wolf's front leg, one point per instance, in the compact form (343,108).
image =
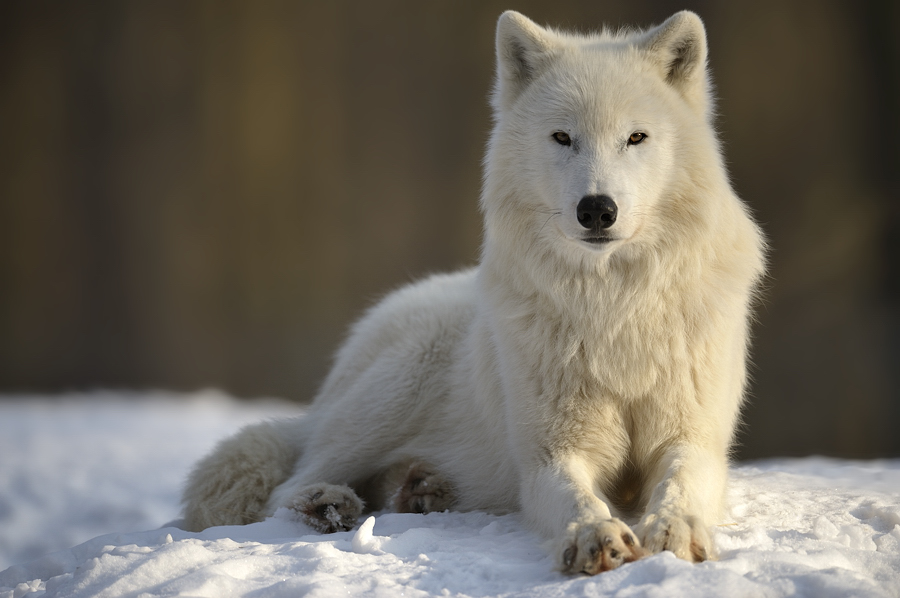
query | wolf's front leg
(559,500)
(687,497)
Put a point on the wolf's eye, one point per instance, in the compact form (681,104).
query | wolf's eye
(562,138)
(636,138)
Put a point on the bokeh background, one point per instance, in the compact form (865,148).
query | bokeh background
(205,193)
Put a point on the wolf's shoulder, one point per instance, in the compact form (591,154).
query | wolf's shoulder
(447,290)
(436,304)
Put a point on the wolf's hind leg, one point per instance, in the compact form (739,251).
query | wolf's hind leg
(409,486)
(423,490)
(327,508)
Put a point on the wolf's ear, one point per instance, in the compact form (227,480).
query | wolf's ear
(678,48)
(523,50)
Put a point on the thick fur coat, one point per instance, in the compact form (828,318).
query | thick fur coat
(590,371)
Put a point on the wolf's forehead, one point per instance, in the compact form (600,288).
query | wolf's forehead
(600,68)
(598,88)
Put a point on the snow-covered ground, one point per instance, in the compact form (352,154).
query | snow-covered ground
(78,466)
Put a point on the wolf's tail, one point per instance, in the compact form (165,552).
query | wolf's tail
(231,485)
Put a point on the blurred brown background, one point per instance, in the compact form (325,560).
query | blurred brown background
(204,194)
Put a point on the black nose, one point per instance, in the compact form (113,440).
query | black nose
(596,211)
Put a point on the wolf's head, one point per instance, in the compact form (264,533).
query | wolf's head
(598,137)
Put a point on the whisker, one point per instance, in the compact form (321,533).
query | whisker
(540,211)
(552,214)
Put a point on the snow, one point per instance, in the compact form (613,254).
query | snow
(104,468)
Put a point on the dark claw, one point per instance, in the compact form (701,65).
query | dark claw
(322,510)
(418,506)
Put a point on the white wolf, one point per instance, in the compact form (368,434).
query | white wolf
(592,367)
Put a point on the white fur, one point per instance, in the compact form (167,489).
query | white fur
(558,374)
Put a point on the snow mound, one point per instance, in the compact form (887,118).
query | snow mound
(803,527)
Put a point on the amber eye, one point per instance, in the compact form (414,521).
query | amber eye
(562,138)
(636,138)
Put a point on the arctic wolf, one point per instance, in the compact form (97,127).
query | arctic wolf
(589,372)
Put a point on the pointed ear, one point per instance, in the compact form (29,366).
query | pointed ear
(523,50)
(678,48)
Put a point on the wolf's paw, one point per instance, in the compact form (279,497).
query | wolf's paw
(683,535)
(423,491)
(327,507)
(596,547)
